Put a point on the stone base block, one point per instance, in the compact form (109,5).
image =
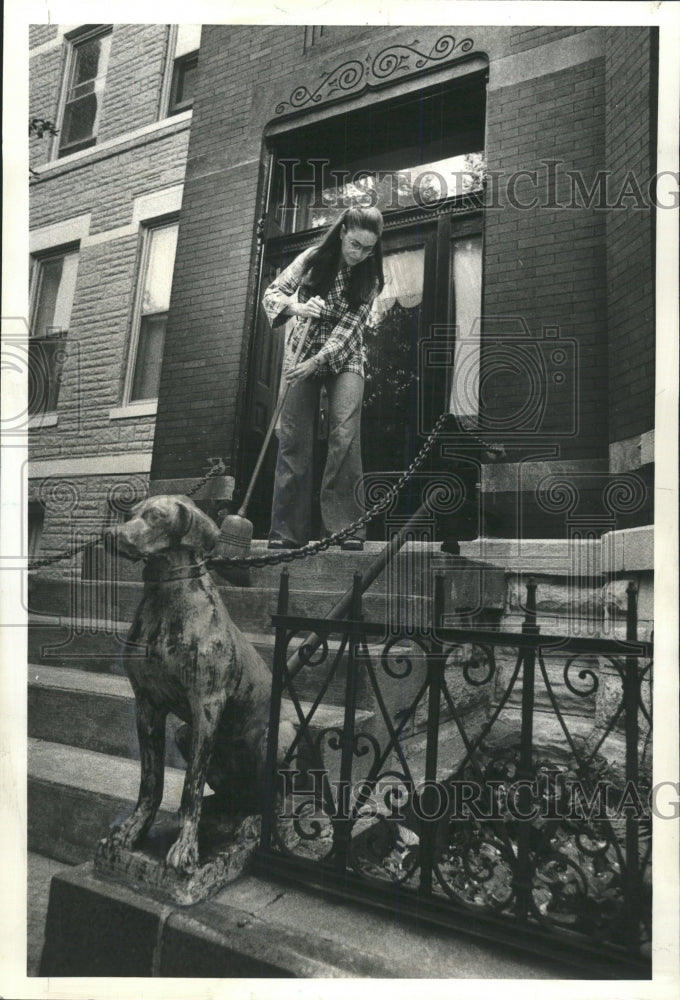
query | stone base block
(225,846)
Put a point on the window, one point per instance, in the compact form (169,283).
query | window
(85,79)
(151,311)
(184,43)
(420,152)
(36,519)
(53,283)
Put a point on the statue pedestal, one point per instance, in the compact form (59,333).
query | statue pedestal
(225,843)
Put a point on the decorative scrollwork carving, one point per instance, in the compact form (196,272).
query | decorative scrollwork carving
(311,655)
(353,76)
(477,869)
(409,651)
(587,675)
(469,657)
(386,849)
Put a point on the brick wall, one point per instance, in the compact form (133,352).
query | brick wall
(104,183)
(133,81)
(134,77)
(547,264)
(527,36)
(630,69)
(38,34)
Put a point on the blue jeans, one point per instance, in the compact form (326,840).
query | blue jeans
(342,484)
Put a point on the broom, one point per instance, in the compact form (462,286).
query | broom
(236,531)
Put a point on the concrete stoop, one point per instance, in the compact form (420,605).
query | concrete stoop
(83,776)
(256,928)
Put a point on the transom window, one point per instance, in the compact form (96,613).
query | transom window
(85,80)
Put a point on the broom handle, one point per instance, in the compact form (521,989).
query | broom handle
(272,424)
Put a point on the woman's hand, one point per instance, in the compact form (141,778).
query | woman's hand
(304,370)
(310,309)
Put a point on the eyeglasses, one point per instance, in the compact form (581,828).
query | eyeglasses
(356,247)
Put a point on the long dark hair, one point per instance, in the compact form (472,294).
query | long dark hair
(365,276)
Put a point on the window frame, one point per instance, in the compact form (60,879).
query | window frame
(37,264)
(168,106)
(176,107)
(73,42)
(147,228)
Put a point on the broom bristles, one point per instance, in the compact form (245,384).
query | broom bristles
(234,540)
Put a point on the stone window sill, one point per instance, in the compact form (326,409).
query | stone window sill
(40,420)
(145,408)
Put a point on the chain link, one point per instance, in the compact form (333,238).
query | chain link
(66,554)
(289,555)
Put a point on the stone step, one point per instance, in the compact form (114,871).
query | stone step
(308,573)
(259,928)
(90,711)
(75,795)
(90,605)
(96,712)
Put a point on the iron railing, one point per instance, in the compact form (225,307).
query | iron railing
(494,782)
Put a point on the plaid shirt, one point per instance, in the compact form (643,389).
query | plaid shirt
(337,337)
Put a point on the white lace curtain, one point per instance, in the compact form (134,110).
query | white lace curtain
(403,283)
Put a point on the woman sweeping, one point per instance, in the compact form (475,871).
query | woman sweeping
(336,283)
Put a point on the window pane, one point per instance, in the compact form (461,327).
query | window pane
(466,276)
(188,39)
(80,123)
(54,294)
(405,187)
(390,393)
(149,357)
(186,80)
(161,263)
(79,119)
(36,518)
(87,61)
(44,369)
(67,290)
(48,290)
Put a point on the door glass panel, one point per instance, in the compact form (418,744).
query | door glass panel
(466,278)
(390,393)
(422,185)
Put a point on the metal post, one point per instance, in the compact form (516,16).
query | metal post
(522,879)
(342,826)
(270,783)
(435,668)
(630,699)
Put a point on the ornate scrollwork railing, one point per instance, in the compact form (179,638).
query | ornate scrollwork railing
(503,775)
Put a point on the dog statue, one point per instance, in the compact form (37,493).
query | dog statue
(199,666)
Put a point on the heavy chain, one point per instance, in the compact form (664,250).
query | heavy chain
(217,470)
(66,554)
(289,555)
